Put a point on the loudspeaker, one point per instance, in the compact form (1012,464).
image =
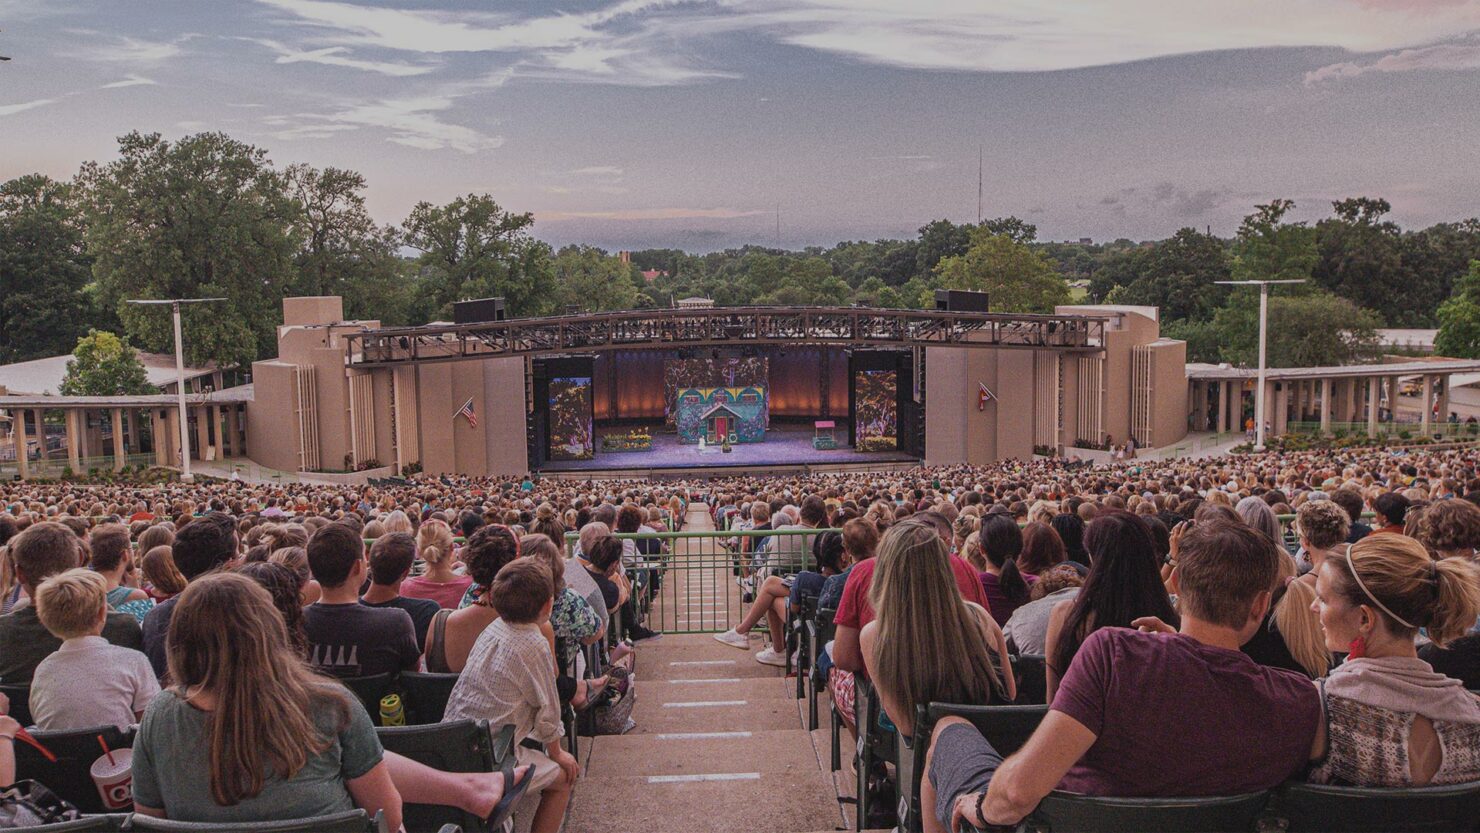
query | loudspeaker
(478,311)
(960,300)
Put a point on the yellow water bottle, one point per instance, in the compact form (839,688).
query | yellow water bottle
(392,713)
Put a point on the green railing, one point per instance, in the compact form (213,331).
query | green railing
(698,582)
(1437,429)
(57,465)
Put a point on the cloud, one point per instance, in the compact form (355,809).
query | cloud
(130,81)
(12,109)
(597,170)
(413,122)
(650,214)
(338,56)
(135,52)
(1167,199)
(1452,57)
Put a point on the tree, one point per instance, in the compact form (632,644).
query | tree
(1459,318)
(1344,334)
(1017,278)
(103,364)
(205,216)
(342,250)
(1361,259)
(1178,274)
(44,269)
(473,248)
(589,279)
(939,239)
(1434,259)
(1268,248)
(1018,230)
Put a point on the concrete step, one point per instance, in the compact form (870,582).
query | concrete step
(737,664)
(749,689)
(744,802)
(753,715)
(777,752)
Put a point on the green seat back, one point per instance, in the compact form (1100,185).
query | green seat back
(1361,809)
(1061,812)
(350,821)
(70,776)
(425,696)
(459,746)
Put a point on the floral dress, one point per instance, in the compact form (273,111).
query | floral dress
(574,620)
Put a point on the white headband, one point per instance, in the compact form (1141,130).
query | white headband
(1368,593)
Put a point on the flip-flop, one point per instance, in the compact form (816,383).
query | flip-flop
(505,806)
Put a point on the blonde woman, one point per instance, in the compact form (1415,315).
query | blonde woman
(927,642)
(398,522)
(434,545)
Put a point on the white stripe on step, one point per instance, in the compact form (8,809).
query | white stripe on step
(714,680)
(716,776)
(703,703)
(703,735)
(704,662)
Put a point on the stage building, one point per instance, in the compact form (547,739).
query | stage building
(761,387)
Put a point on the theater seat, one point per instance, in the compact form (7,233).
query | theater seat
(425,695)
(1007,728)
(20,702)
(91,824)
(1363,809)
(1061,812)
(350,821)
(1032,685)
(70,776)
(459,746)
(369,690)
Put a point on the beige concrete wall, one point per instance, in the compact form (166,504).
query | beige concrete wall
(1169,392)
(272,431)
(955,430)
(323,309)
(505,442)
(434,415)
(452,445)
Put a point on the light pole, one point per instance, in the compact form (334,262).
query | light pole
(1263,326)
(175,303)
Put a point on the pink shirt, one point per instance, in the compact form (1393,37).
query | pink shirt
(448,594)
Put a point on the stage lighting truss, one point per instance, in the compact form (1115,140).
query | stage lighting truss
(749,328)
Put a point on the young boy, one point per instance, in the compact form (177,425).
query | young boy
(510,678)
(391,557)
(346,638)
(87,682)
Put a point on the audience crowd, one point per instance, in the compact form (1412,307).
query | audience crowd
(1340,646)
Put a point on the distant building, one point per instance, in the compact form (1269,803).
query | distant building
(695,303)
(43,377)
(651,275)
(625,256)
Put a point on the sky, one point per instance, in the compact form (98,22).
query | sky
(699,124)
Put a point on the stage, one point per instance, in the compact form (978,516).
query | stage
(783,446)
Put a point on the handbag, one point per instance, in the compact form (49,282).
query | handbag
(28,804)
(611,713)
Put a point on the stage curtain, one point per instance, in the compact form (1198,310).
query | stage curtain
(638,376)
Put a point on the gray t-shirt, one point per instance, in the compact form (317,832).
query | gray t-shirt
(172,766)
(1027,629)
(89,682)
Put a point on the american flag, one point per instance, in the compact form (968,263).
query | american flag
(467,411)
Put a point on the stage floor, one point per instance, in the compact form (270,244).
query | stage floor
(785,446)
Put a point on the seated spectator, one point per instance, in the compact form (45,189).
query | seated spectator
(206,544)
(44,550)
(1027,631)
(1001,542)
(391,557)
(860,542)
(162,579)
(1070,528)
(778,597)
(927,643)
(1124,584)
(1390,511)
(1322,527)
(284,743)
(1450,529)
(1043,549)
(1459,659)
(1106,733)
(434,543)
(508,681)
(8,729)
(286,589)
(346,638)
(572,622)
(87,682)
(1257,514)
(111,556)
(637,553)
(1350,501)
(1391,720)
(452,633)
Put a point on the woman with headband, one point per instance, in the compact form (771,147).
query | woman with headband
(1390,720)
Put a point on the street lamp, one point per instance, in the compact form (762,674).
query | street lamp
(1263,322)
(175,303)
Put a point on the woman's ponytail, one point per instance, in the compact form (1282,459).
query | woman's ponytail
(1457,602)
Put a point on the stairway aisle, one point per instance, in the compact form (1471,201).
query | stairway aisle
(720,744)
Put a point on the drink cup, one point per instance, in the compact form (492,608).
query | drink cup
(115,780)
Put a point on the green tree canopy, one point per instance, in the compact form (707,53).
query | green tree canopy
(1177,275)
(105,365)
(1268,249)
(473,248)
(1017,278)
(44,269)
(205,216)
(1361,258)
(1459,318)
(1314,329)
(591,280)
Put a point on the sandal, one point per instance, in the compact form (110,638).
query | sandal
(505,806)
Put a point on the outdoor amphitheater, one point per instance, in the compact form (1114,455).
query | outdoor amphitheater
(920,525)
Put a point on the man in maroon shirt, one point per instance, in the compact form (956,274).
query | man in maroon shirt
(1153,712)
